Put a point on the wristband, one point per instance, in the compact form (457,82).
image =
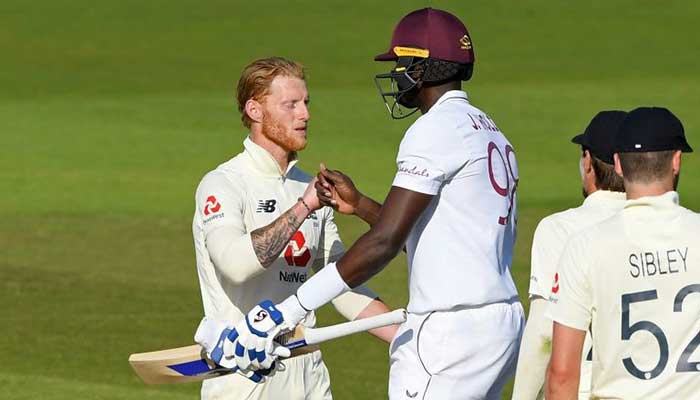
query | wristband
(304,204)
(322,287)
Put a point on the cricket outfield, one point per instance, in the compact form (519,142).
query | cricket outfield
(111,111)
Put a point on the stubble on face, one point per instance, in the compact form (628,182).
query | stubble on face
(275,131)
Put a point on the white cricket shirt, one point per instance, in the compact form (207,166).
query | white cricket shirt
(461,249)
(248,192)
(636,278)
(554,231)
(551,235)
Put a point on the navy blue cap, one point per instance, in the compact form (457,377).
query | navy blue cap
(599,136)
(649,129)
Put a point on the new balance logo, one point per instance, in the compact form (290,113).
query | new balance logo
(267,206)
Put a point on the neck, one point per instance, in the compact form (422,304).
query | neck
(589,187)
(282,156)
(429,95)
(637,190)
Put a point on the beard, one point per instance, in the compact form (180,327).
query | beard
(276,132)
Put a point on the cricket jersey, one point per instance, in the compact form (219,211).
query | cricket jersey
(554,231)
(248,192)
(551,235)
(461,248)
(635,278)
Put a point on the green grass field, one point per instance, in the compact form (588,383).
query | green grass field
(111,111)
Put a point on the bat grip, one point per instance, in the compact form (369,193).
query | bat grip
(319,335)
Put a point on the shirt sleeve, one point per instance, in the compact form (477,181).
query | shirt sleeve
(571,299)
(221,205)
(430,153)
(220,202)
(331,246)
(546,250)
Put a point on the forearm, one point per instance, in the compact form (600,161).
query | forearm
(369,255)
(368,210)
(270,240)
(563,372)
(535,350)
(365,258)
(561,386)
(377,307)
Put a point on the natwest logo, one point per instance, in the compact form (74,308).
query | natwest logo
(296,253)
(211,206)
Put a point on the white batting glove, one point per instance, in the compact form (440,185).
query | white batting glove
(217,337)
(254,347)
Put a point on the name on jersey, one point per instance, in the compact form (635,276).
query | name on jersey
(658,262)
(293,276)
(483,122)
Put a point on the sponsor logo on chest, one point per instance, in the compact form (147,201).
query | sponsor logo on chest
(266,206)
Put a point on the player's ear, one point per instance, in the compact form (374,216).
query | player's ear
(587,162)
(676,162)
(618,166)
(254,110)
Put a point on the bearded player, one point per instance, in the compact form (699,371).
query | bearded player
(452,206)
(258,231)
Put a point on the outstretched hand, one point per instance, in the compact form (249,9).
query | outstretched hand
(336,190)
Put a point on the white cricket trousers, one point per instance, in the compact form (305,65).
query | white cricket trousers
(304,377)
(463,354)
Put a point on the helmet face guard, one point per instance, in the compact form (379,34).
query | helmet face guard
(399,87)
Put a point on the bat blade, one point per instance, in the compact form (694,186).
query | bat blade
(178,365)
(190,363)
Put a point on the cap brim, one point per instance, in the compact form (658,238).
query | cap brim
(685,148)
(388,56)
(580,139)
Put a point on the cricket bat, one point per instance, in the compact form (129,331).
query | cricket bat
(190,363)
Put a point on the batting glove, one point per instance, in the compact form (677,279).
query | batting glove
(217,337)
(252,338)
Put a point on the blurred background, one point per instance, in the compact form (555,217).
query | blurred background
(112,111)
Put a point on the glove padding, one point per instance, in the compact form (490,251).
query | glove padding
(251,342)
(254,347)
(217,338)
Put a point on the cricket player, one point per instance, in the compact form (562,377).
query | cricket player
(603,191)
(452,206)
(259,229)
(634,279)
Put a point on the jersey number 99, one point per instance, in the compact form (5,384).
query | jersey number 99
(501,167)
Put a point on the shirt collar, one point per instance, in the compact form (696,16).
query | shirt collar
(605,197)
(451,94)
(263,160)
(665,201)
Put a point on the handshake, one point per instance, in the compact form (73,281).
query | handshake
(249,346)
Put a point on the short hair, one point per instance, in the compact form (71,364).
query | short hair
(605,176)
(646,167)
(256,77)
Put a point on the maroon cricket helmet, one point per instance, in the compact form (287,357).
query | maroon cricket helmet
(430,33)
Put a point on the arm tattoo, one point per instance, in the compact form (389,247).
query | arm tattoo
(270,240)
